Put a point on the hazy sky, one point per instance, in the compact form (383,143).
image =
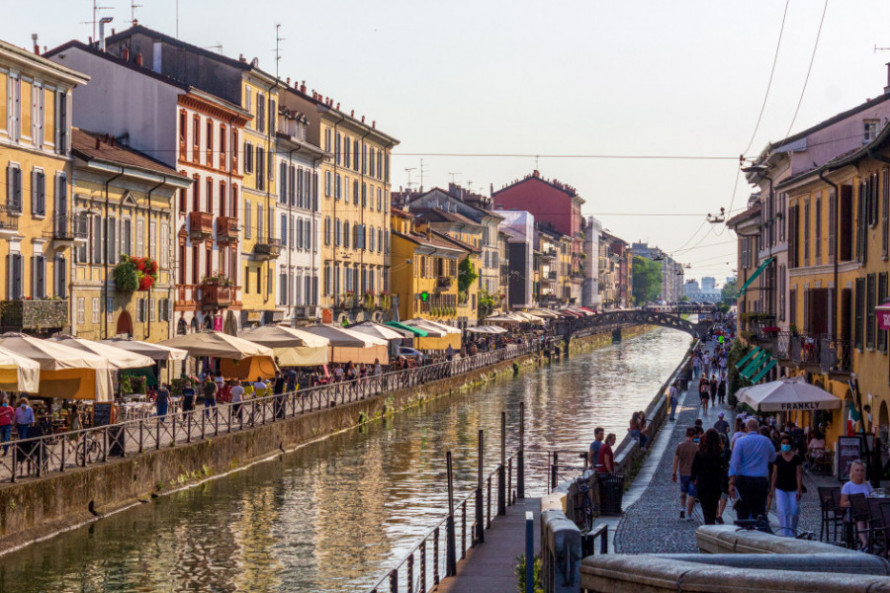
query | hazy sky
(549,78)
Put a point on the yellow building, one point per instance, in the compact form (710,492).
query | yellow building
(354,203)
(35,209)
(123,208)
(424,271)
(839,243)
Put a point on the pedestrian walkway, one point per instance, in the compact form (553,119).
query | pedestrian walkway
(490,567)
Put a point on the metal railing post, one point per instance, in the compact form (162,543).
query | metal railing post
(479,536)
(529,552)
(502,503)
(554,471)
(450,543)
(520,457)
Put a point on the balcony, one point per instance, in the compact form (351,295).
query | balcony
(9,223)
(200,226)
(227,230)
(833,356)
(216,296)
(69,229)
(267,248)
(443,282)
(34,315)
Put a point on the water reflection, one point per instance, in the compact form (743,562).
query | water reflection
(335,514)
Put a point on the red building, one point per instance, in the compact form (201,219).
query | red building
(554,204)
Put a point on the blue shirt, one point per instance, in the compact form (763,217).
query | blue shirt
(751,456)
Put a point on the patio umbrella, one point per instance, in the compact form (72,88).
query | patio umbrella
(64,372)
(117,358)
(440,337)
(378,330)
(428,323)
(787,395)
(155,352)
(218,345)
(292,347)
(18,373)
(352,346)
(503,318)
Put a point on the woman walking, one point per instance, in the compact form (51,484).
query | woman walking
(786,487)
(709,474)
(704,388)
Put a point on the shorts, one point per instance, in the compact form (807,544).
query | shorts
(686,486)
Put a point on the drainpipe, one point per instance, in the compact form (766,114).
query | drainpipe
(148,317)
(361,257)
(334,245)
(105,249)
(837,249)
(316,213)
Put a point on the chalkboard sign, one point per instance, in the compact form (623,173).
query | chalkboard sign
(849,449)
(103,413)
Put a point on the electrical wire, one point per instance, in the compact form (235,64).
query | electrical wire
(769,83)
(809,69)
(691,237)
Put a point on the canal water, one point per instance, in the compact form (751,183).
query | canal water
(336,514)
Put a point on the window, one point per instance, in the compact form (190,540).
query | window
(140,311)
(327,184)
(379,199)
(818,222)
(355,155)
(327,231)
(873,199)
(273,114)
(885,212)
(38,193)
(247,221)
(222,199)
(326,280)
(380,165)
(283,187)
(209,142)
(248,157)
(371,242)
(337,150)
(260,113)
(96,310)
(337,233)
(14,189)
(346,233)
(259,222)
(860,313)
(248,96)
(346,190)
(183,132)
(196,264)
(97,237)
(870,129)
(282,287)
(182,264)
(882,296)
(386,165)
(140,237)
(346,145)
(260,168)
(806,233)
(152,239)
(126,236)
(327,139)
(337,186)
(196,137)
(81,313)
(364,194)
(284,230)
(259,281)
(38,276)
(111,247)
(379,240)
(870,319)
(234,151)
(371,162)
(246,279)
(209,196)
(15,272)
(61,121)
(60,289)
(832,223)
(222,146)
(196,193)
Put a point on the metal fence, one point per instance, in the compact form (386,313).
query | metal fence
(40,456)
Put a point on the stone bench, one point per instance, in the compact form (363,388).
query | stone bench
(729,539)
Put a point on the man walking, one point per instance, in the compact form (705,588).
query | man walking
(749,471)
(672,400)
(722,426)
(683,458)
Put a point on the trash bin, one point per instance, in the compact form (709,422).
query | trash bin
(611,487)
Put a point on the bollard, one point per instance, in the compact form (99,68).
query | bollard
(561,552)
(502,492)
(450,543)
(554,471)
(479,536)
(529,552)
(520,457)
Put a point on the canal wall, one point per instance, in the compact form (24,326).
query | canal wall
(36,509)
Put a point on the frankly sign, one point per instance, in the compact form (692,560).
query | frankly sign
(800,406)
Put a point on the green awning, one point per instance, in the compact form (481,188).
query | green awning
(773,362)
(748,357)
(754,276)
(417,332)
(755,364)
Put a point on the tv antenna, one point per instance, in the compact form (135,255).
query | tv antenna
(877,49)
(218,47)
(95,21)
(278,40)
(133,7)
(422,171)
(408,171)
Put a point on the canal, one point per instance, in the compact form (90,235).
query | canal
(335,514)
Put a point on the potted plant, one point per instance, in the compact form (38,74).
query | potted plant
(135,273)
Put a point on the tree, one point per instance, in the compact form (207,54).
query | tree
(647,278)
(466,275)
(728,293)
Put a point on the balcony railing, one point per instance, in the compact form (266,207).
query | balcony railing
(68,228)
(830,355)
(268,248)
(8,222)
(216,296)
(200,225)
(34,315)
(443,282)
(226,229)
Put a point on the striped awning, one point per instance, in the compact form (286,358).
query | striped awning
(754,276)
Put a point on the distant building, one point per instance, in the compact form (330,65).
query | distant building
(590,294)
(520,227)
(671,272)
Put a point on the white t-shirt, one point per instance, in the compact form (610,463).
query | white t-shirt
(851,488)
(237,393)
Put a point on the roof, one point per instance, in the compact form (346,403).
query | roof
(743,216)
(412,197)
(437,215)
(458,242)
(399,212)
(92,146)
(432,241)
(18,54)
(75,44)
(535,176)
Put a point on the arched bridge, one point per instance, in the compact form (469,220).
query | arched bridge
(643,317)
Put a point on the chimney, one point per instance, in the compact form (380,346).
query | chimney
(288,81)
(102,22)
(374,124)
(139,59)
(241,58)
(363,119)
(126,54)
(97,143)
(303,87)
(36,46)
(887,88)
(535,173)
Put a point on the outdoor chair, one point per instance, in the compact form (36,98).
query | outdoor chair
(832,514)
(876,524)
(884,534)
(858,513)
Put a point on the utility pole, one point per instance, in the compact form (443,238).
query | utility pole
(95,21)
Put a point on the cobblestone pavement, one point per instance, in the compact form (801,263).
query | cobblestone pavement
(653,524)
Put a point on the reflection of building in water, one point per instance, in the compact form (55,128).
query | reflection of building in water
(254,531)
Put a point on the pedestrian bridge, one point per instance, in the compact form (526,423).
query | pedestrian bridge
(647,317)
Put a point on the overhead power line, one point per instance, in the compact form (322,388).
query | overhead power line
(667,157)
(809,69)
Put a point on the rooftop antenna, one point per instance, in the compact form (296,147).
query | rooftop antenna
(177,19)
(452,175)
(218,47)
(95,21)
(422,171)
(278,40)
(877,49)
(133,7)
(408,171)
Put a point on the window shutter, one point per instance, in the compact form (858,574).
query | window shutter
(34,191)
(17,268)
(41,277)
(41,194)
(62,276)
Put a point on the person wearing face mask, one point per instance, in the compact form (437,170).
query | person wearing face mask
(786,487)
(24,418)
(6,416)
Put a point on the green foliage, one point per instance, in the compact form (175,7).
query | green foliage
(487,303)
(729,291)
(126,278)
(738,351)
(647,278)
(466,275)
(684,299)
(520,574)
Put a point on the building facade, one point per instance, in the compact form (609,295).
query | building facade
(36,210)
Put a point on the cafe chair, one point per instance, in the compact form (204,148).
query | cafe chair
(858,513)
(832,514)
(877,527)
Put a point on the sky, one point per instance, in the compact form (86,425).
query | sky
(559,79)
